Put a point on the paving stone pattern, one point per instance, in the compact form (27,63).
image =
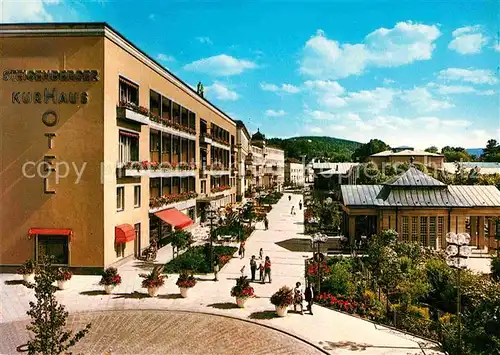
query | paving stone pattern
(167,332)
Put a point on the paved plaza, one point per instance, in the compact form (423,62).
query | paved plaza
(328,330)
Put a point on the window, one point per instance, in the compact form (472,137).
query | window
(128,147)
(432,232)
(154,102)
(154,142)
(137,196)
(166,108)
(129,92)
(440,234)
(414,229)
(405,229)
(423,231)
(120,198)
(53,245)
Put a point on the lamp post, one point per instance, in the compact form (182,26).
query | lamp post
(211,215)
(457,251)
(319,238)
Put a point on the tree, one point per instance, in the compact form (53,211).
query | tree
(456,154)
(180,240)
(432,149)
(48,318)
(492,151)
(374,146)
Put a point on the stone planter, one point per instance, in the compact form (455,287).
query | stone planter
(108,288)
(240,301)
(184,291)
(281,311)
(153,291)
(29,278)
(62,284)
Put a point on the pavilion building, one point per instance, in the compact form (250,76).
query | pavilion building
(422,209)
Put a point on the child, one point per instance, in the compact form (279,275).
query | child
(261,272)
(261,253)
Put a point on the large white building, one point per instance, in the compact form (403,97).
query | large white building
(294,173)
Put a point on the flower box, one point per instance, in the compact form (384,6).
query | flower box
(132,112)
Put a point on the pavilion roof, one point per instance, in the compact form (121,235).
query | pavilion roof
(414,178)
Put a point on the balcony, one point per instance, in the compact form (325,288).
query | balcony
(168,126)
(220,143)
(154,169)
(218,170)
(180,201)
(131,112)
(206,138)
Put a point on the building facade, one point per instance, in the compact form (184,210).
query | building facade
(294,173)
(403,155)
(422,210)
(243,146)
(102,147)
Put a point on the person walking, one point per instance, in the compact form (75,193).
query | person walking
(297,298)
(289,197)
(300,205)
(309,297)
(242,271)
(267,270)
(266,223)
(292,211)
(261,253)
(253,267)
(242,250)
(261,272)
(216,270)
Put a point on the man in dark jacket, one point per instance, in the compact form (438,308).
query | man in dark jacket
(309,297)
(253,267)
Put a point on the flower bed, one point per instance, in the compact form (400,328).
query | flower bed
(156,202)
(197,259)
(220,189)
(133,107)
(169,123)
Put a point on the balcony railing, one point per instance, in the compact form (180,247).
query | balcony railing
(132,112)
(220,189)
(162,202)
(169,126)
(206,138)
(155,169)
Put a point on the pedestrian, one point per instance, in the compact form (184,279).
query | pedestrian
(300,205)
(266,223)
(261,272)
(216,269)
(297,298)
(253,267)
(242,249)
(242,270)
(289,197)
(261,254)
(309,297)
(292,211)
(267,270)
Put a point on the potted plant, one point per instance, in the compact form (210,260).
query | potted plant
(185,282)
(242,291)
(154,280)
(281,299)
(62,276)
(110,279)
(28,270)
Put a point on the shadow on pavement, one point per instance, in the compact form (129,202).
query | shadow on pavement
(93,293)
(134,295)
(296,244)
(170,296)
(200,279)
(263,315)
(14,282)
(146,265)
(224,305)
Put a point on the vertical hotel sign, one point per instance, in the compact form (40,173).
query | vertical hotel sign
(50,96)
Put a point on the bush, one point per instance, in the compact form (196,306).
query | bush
(338,282)
(495,268)
(197,259)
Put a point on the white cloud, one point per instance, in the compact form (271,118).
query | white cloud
(338,127)
(206,40)
(423,101)
(165,57)
(374,101)
(315,130)
(475,76)
(468,40)
(458,89)
(274,113)
(327,86)
(222,92)
(496,47)
(26,11)
(285,88)
(222,64)
(321,115)
(405,43)
(388,81)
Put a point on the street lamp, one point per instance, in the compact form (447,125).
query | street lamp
(211,215)
(457,251)
(319,238)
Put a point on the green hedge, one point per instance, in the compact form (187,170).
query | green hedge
(197,259)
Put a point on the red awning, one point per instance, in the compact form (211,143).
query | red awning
(129,134)
(50,231)
(175,218)
(124,233)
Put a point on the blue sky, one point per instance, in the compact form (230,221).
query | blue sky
(408,72)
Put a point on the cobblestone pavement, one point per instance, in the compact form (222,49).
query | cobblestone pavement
(334,332)
(166,332)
